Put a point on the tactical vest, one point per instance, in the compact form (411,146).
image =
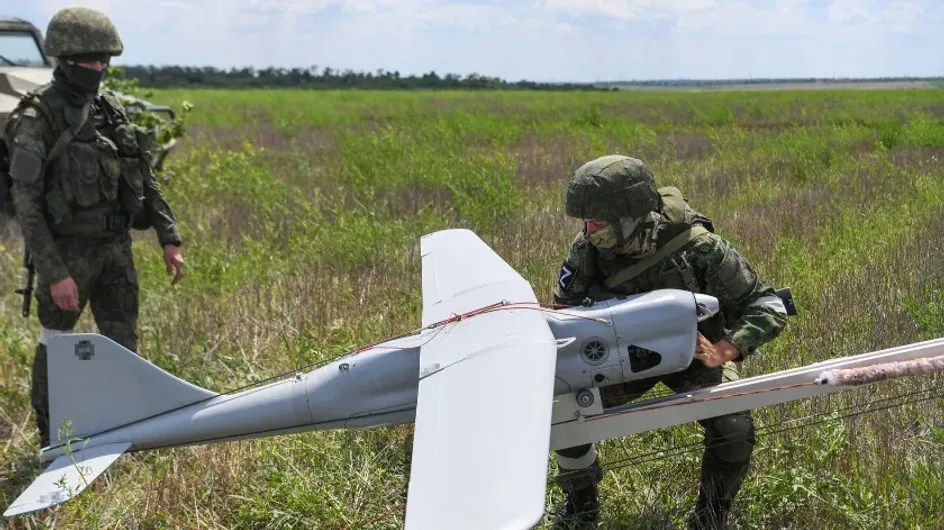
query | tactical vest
(667,268)
(94,172)
(622,273)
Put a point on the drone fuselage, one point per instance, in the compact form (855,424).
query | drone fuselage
(489,384)
(602,344)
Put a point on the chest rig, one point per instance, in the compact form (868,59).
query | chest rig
(93,173)
(666,267)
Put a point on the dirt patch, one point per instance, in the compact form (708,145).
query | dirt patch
(550,160)
(681,146)
(410,201)
(652,112)
(936,110)
(229,138)
(715,181)
(806,213)
(863,147)
(916,157)
(794,213)
(818,85)
(553,160)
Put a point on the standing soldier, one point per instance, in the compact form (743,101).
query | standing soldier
(80,182)
(637,238)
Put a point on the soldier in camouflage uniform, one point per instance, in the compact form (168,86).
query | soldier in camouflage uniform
(627,222)
(80,181)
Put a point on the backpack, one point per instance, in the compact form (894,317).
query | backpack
(6,181)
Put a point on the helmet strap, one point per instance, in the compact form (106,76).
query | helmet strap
(620,236)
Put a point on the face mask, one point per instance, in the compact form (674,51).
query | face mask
(604,237)
(86,78)
(642,238)
(630,224)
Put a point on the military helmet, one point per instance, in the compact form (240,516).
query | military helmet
(81,31)
(612,187)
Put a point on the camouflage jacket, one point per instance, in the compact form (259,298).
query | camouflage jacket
(751,312)
(102,171)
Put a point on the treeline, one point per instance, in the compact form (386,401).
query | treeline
(764,81)
(334,79)
(326,79)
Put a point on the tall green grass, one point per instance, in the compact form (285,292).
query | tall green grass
(302,213)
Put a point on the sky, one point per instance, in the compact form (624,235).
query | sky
(539,40)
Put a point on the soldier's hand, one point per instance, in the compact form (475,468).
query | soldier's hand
(712,355)
(66,294)
(174,261)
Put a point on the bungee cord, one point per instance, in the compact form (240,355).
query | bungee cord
(888,402)
(439,326)
(831,377)
(789,425)
(768,430)
(837,377)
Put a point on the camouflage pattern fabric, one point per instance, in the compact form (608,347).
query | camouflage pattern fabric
(611,187)
(751,311)
(751,314)
(81,31)
(39,394)
(729,443)
(107,282)
(75,210)
(88,177)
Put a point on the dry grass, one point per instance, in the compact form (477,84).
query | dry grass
(302,215)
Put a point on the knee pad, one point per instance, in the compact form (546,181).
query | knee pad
(40,374)
(731,437)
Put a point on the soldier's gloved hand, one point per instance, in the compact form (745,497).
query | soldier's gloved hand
(712,355)
(66,294)
(174,260)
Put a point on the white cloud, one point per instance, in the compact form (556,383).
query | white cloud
(733,16)
(903,15)
(895,15)
(534,39)
(736,17)
(614,8)
(629,9)
(846,11)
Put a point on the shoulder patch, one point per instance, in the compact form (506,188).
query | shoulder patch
(25,166)
(30,112)
(566,276)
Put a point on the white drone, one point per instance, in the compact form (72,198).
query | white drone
(492,381)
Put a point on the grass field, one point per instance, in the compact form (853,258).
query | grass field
(302,213)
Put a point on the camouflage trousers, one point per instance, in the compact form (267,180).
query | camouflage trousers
(103,271)
(729,443)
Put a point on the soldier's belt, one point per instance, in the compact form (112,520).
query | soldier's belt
(94,223)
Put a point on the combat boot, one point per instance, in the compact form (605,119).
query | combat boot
(580,510)
(709,515)
(39,394)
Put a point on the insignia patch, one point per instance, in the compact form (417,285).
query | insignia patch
(30,112)
(566,277)
(84,350)
(25,166)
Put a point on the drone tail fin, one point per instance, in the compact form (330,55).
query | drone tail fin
(95,385)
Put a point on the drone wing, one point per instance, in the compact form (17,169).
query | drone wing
(485,394)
